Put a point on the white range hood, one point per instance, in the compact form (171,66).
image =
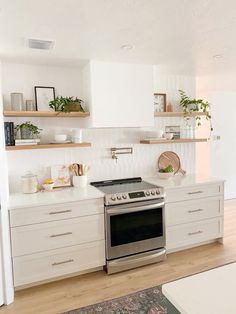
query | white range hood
(119,95)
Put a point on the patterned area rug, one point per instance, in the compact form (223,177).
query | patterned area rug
(148,301)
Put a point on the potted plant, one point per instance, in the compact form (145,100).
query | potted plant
(28,130)
(189,106)
(166,173)
(67,104)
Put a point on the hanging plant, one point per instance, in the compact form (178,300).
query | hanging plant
(190,106)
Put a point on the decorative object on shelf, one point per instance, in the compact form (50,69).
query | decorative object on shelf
(166,173)
(60,174)
(175,129)
(77,136)
(30,105)
(120,151)
(60,138)
(159,102)
(17,102)
(29,183)
(23,142)
(43,96)
(9,133)
(194,105)
(169,107)
(48,185)
(67,104)
(170,158)
(168,136)
(79,172)
(28,130)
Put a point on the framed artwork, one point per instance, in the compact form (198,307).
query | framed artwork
(159,102)
(60,174)
(43,95)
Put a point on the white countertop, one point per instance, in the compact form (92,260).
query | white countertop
(210,292)
(66,195)
(180,181)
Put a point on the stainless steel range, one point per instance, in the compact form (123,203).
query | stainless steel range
(134,223)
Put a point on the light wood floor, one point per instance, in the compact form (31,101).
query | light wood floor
(87,289)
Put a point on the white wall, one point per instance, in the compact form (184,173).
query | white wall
(218,157)
(141,163)
(4,228)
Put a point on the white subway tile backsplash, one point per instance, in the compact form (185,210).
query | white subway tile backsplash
(143,161)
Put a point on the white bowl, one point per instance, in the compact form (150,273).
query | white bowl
(60,137)
(168,136)
(48,187)
(165,175)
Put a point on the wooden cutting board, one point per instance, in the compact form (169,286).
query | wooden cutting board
(170,158)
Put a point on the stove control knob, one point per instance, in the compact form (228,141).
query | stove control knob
(119,197)
(147,193)
(157,191)
(113,197)
(124,196)
(153,192)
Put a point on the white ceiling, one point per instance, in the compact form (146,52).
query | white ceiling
(185,34)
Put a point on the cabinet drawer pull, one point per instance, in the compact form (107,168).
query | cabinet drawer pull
(63,262)
(60,234)
(196,232)
(60,212)
(195,210)
(197,192)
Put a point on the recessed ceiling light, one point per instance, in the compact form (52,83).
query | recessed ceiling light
(127,47)
(40,44)
(219,56)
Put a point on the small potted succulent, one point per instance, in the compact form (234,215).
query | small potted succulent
(28,130)
(67,104)
(166,173)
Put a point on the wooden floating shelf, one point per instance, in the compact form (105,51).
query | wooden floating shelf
(181,140)
(49,114)
(43,146)
(178,114)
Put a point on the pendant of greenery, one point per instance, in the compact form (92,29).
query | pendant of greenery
(189,105)
(66,104)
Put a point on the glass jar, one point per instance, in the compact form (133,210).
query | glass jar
(29,105)
(17,103)
(29,183)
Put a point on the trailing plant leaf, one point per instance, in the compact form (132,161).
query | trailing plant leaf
(62,103)
(189,105)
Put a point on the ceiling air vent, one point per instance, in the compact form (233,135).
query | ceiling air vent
(40,44)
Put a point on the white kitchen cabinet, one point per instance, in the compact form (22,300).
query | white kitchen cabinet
(119,95)
(55,240)
(194,215)
(55,263)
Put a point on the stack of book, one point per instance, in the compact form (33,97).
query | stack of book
(19,142)
(9,133)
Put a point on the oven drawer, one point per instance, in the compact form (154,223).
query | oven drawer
(32,215)
(56,234)
(46,265)
(193,233)
(195,192)
(190,211)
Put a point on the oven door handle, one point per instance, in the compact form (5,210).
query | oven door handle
(120,210)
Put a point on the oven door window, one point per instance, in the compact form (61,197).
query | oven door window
(136,226)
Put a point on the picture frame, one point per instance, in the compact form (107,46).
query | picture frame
(43,95)
(60,174)
(159,102)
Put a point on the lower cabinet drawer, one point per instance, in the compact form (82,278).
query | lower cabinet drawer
(57,234)
(194,192)
(195,210)
(42,266)
(193,233)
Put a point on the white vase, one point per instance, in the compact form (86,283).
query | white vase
(80,181)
